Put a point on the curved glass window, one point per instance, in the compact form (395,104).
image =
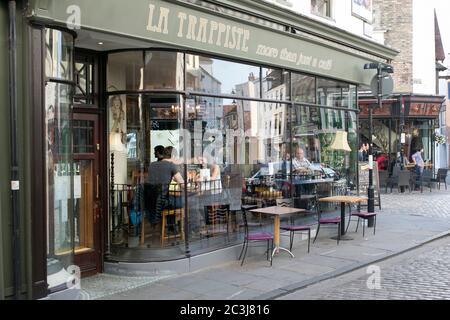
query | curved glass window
(125,71)
(58,54)
(164,70)
(214,76)
(182,165)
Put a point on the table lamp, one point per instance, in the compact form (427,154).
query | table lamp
(340,143)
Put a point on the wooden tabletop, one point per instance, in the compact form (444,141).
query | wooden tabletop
(277,211)
(345,199)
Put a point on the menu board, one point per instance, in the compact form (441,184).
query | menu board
(363,168)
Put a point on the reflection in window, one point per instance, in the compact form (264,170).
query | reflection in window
(59,176)
(163,70)
(315,131)
(241,154)
(275,84)
(303,88)
(125,71)
(59,54)
(84,78)
(216,76)
(333,93)
(321,7)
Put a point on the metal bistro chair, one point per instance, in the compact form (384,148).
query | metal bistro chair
(441,176)
(393,180)
(363,216)
(255,237)
(426,179)
(216,219)
(327,221)
(384,179)
(404,179)
(293,228)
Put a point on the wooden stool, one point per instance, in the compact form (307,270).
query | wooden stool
(178,213)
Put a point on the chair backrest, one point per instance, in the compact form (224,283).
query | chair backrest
(383,175)
(442,174)
(244,218)
(396,171)
(427,175)
(217,213)
(404,177)
(284,202)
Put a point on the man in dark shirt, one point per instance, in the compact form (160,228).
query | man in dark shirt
(159,153)
(160,175)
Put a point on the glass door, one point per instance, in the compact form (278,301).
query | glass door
(87,193)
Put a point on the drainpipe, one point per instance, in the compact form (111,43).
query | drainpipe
(14,150)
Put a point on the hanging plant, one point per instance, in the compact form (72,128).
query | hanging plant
(440,138)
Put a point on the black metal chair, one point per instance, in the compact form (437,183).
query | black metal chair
(441,177)
(327,221)
(426,179)
(384,179)
(404,180)
(363,216)
(394,179)
(255,237)
(216,219)
(292,228)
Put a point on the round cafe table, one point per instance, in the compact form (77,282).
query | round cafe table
(344,200)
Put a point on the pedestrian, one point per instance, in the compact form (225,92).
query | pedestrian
(419,164)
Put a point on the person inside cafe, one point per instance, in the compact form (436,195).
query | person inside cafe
(419,165)
(299,163)
(156,187)
(159,153)
(381,161)
(363,152)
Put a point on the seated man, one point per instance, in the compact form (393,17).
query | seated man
(299,163)
(157,184)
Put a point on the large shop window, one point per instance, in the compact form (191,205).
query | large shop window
(220,77)
(59,156)
(336,94)
(146,199)
(182,166)
(236,157)
(321,136)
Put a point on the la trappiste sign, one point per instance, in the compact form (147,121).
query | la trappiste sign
(174,24)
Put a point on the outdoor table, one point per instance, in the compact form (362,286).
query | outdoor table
(344,200)
(277,212)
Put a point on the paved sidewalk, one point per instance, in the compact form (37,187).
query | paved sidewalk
(406,221)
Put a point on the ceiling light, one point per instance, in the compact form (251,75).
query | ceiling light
(100,43)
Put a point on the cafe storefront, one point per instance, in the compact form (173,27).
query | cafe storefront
(405,124)
(233,93)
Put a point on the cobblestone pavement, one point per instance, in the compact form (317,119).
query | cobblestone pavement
(421,274)
(428,204)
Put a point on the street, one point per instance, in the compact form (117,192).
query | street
(420,274)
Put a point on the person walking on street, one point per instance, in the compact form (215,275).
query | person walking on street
(419,164)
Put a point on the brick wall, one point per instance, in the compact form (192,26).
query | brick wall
(396,18)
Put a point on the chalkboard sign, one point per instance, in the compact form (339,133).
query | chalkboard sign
(363,168)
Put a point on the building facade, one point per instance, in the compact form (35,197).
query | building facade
(231,88)
(414,114)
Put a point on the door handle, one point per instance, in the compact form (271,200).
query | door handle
(98,186)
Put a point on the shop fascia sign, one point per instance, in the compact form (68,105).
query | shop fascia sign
(179,25)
